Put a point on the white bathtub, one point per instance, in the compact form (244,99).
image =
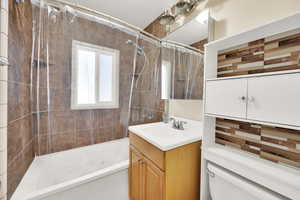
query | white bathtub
(96,172)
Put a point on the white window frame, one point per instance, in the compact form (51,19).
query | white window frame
(99,50)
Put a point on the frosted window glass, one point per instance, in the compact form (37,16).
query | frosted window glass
(165,80)
(95,77)
(106,78)
(86,77)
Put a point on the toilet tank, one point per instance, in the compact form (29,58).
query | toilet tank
(225,185)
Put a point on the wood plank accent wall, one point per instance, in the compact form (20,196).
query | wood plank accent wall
(272,143)
(276,53)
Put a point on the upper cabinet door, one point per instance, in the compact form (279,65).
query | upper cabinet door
(275,99)
(227,97)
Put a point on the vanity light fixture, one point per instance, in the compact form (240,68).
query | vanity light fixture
(167,18)
(180,8)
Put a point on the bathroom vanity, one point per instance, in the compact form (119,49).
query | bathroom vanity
(165,162)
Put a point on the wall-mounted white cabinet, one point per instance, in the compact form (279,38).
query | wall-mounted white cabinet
(275,99)
(227,97)
(271,99)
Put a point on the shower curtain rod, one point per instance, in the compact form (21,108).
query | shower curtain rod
(92,11)
(117,20)
(183,45)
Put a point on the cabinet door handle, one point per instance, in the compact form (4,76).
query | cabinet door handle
(243,98)
(299,60)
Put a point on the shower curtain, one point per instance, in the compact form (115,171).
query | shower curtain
(58,127)
(147,105)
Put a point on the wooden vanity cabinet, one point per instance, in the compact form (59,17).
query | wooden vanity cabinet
(163,175)
(146,179)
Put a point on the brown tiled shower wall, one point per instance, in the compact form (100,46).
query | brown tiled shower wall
(58,127)
(276,53)
(20,134)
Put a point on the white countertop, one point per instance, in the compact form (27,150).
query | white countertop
(164,137)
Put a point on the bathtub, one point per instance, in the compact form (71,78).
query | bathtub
(96,172)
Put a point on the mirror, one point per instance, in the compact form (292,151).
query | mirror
(182,65)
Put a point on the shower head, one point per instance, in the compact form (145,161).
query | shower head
(140,50)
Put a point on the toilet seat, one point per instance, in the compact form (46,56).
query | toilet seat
(225,185)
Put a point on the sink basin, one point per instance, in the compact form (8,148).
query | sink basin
(165,137)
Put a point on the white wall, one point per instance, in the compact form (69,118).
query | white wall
(189,109)
(235,16)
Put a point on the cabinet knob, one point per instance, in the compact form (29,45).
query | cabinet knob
(243,98)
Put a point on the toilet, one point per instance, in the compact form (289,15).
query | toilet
(225,185)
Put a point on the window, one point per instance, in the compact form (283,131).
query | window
(95,77)
(165,79)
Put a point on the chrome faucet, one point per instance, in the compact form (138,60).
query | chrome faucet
(178,124)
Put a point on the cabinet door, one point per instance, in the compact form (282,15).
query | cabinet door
(226,97)
(136,175)
(154,182)
(275,99)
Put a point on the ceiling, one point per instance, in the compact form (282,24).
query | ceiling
(190,33)
(136,12)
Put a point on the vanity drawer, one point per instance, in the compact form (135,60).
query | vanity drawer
(151,152)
